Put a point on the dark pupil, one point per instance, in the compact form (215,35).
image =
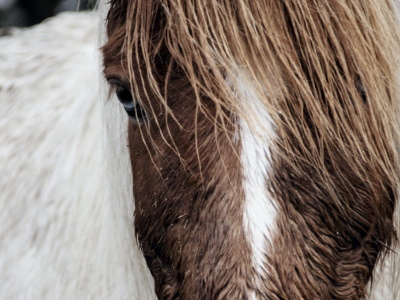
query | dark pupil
(132,108)
(124,96)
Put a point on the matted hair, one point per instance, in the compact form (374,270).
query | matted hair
(326,71)
(328,61)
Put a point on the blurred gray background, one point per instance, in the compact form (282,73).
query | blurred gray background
(24,13)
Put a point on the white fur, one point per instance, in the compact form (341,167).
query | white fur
(386,279)
(256,140)
(66,218)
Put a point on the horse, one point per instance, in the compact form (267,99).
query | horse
(66,223)
(264,144)
(256,144)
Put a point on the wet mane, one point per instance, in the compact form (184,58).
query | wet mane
(326,72)
(328,54)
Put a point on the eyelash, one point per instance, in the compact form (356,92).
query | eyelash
(132,107)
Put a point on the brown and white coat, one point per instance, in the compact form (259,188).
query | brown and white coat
(267,166)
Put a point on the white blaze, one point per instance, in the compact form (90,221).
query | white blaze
(260,211)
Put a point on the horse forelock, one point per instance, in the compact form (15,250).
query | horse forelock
(304,95)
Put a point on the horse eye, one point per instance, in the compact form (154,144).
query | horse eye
(132,107)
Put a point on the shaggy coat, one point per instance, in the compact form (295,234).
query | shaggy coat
(310,83)
(66,220)
(304,93)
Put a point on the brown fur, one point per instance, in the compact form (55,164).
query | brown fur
(326,71)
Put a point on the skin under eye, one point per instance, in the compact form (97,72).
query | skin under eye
(132,107)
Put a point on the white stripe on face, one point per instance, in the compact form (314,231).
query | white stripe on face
(260,210)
